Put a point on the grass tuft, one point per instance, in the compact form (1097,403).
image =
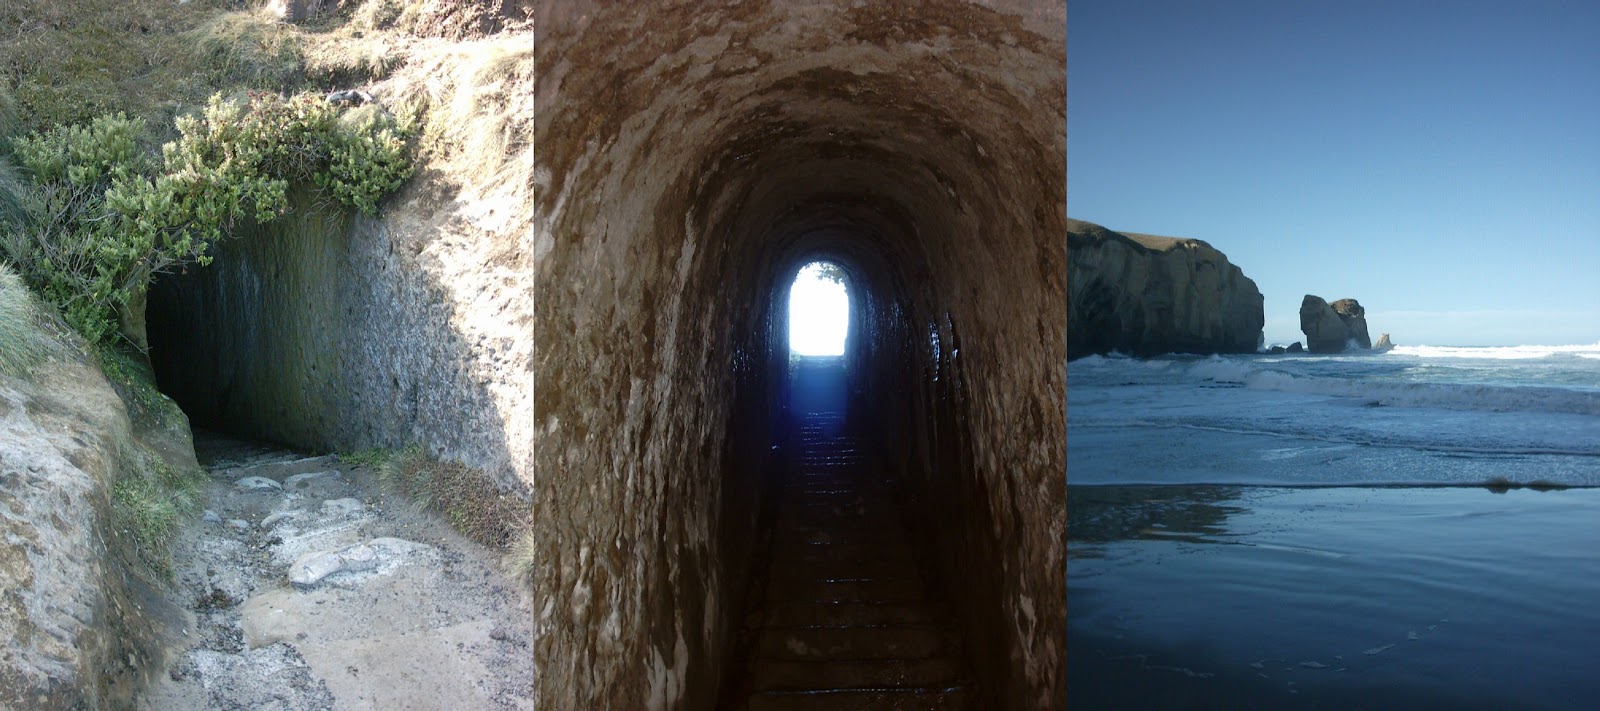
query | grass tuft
(370,458)
(471,501)
(524,556)
(149,500)
(23,343)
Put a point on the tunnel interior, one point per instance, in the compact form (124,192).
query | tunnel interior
(688,175)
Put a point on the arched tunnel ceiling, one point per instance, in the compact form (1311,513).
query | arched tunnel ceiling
(690,158)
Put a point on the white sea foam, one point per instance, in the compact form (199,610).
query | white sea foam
(1499,352)
(1395,391)
(1222,370)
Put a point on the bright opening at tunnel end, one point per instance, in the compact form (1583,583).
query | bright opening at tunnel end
(819,311)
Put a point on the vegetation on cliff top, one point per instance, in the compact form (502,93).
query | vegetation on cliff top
(107,213)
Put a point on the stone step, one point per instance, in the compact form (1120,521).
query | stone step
(784,571)
(823,478)
(813,551)
(829,509)
(823,521)
(279,468)
(851,643)
(853,589)
(836,500)
(885,529)
(813,536)
(842,515)
(850,619)
(952,699)
(825,513)
(934,672)
(813,613)
(825,493)
(819,474)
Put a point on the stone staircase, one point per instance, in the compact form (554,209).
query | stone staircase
(850,618)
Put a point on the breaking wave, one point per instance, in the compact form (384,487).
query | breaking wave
(1452,396)
(1500,352)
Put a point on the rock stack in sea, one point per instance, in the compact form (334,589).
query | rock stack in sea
(1335,327)
(1145,295)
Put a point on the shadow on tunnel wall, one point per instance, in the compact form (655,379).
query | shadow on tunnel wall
(692,155)
(324,331)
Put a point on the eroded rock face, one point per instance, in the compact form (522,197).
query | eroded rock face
(463,19)
(1325,331)
(76,629)
(300,10)
(1355,321)
(1145,295)
(692,156)
(1333,328)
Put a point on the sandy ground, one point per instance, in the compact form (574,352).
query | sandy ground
(310,587)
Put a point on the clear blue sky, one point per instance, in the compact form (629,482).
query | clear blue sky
(1437,160)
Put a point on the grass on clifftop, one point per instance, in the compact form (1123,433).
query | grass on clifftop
(72,60)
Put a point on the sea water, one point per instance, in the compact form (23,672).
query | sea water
(1414,415)
(1345,531)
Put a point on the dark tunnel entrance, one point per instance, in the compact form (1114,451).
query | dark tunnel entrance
(186,363)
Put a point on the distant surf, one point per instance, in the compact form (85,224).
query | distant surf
(1418,414)
(1500,352)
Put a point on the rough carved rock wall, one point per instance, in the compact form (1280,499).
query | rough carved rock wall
(331,332)
(692,155)
(1145,295)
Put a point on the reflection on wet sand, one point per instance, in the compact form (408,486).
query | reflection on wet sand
(1102,514)
(1370,597)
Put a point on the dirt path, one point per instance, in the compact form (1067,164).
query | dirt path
(310,587)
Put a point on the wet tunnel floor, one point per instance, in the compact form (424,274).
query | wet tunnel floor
(850,618)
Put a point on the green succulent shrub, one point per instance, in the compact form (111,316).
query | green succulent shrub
(107,213)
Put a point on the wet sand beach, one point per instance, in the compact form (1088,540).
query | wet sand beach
(1194,597)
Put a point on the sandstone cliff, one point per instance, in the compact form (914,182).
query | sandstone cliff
(1144,295)
(80,621)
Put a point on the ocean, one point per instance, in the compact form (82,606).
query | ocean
(1413,528)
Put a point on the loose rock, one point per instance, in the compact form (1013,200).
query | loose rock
(258,483)
(301,481)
